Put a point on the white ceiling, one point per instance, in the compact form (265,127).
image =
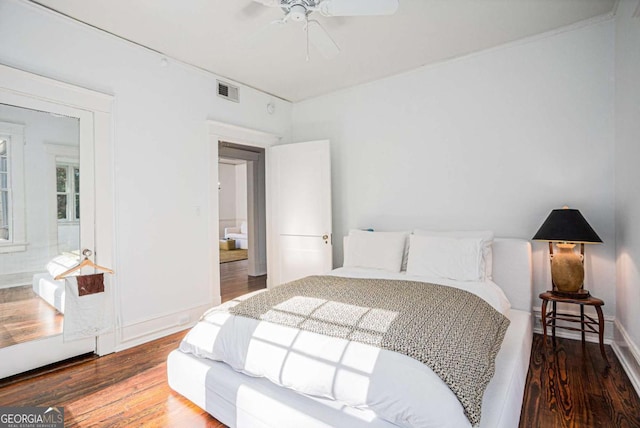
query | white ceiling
(233,38)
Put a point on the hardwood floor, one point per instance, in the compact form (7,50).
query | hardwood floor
(566,387)
(124,389)
(130,388)
(569,387)
(235,282)
(24,316)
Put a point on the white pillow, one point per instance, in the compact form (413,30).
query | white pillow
(446,257)
(60,264)
(405,254)
(375,250)
(487,242)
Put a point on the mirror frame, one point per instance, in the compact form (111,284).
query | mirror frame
(24,89)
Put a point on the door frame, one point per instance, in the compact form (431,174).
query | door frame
(24,89)
(255,197)
(226,132)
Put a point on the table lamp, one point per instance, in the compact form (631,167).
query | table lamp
(567,227)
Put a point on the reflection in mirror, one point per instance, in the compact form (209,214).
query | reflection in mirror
(39,219)
(4,189)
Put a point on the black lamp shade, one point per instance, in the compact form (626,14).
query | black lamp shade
(567,225)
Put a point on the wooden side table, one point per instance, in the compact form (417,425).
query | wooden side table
(227,244)
(587,323)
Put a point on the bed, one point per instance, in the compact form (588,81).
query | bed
(46,287)
(366,386)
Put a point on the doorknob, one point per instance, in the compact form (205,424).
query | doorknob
(325,237)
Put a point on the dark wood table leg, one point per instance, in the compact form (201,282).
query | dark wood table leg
(553,323)
(582,322)
(544,321)
(601,333)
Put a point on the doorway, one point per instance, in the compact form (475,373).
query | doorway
(232,210)
(242,219)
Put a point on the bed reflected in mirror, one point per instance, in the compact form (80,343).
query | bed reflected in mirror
(39,220)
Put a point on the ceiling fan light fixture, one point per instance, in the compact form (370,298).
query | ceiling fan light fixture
(298,13)
(302,10)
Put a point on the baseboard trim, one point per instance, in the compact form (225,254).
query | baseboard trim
(145,331)
(10,280)
(628,354)
(609,328)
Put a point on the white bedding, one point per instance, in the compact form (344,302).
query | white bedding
(50,290)
(397,388)
(243,401)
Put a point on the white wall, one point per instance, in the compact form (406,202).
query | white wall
(232,195)
(531,124)
(39,182)
(627,128)
(227,197)
(161,156)
(241,193)
(494,141)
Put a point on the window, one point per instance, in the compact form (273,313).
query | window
(68,192)
(12,214)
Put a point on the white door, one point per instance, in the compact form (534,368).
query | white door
(300,190)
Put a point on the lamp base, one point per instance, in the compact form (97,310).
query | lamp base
(580,294)
(567,269)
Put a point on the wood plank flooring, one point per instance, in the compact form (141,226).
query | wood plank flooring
(569,387)
(566,387)
(25,317)
(235,282)
(124,389)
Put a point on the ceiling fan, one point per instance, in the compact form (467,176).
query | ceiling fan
(301,10)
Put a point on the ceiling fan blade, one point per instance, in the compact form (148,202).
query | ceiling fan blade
(357,7)
(252,9)
(269,3)
(321,40)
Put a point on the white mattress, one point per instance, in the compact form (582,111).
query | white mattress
(50,290)
(239,400)
(354,373)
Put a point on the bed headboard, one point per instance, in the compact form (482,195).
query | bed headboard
(512,271)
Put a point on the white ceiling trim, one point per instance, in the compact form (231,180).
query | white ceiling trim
(133,44)
(221,38)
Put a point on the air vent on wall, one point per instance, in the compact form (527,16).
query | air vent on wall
(228,91)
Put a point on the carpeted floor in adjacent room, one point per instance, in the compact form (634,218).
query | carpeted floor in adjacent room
(227,256)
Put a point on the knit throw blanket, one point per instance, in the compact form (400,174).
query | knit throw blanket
(454,332)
